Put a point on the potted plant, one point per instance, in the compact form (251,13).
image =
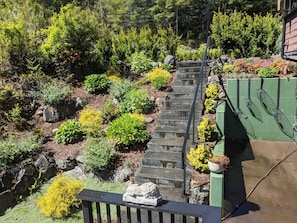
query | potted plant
(218,164)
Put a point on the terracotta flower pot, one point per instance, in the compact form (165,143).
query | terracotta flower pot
(218,164)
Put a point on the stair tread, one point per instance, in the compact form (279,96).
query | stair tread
(167,141)
(166,128)
(164,156)
(166,173)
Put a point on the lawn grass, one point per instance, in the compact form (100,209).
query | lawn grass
(28,211)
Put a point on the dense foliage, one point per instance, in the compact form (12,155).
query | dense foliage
(242,35)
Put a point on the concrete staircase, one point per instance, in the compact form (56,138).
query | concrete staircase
(162,163)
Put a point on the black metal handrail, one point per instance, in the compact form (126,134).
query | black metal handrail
(168,210)
(192,114)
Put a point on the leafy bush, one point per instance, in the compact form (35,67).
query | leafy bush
(60,198)
(198,157)
(98,153)
(159,77)
(119,89)
(91,119)
(135,101)
(127,130)
(206,130)
(53,93)
(95,83)
(140,63)
(69,132)
(109,111)
(267,72)
(16,145)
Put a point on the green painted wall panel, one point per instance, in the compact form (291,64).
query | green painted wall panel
(256,116)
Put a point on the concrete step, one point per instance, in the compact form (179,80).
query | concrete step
(175,120)
(162,159)
(189,69)
(169,132)
(184,89)
(180,121)
(180,111)
(167,144)
(179,102)
(188,63)
(172,178)
(185,81)
(187,75)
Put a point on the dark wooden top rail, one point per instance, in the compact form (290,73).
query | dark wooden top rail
(207,213)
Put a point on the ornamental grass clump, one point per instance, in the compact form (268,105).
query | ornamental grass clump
(60,198)
(198,157)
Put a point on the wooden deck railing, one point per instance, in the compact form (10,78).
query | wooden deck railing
(169,211)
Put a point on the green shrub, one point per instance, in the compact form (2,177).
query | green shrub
(135,101)
(119,89)
(98,153)
(159,77)
(198,157)
(70,131)
(206,130)
(16,145)
(53,93)
(60,198)
(267,72)
(127,130)
(140,63)
(109,111)
(95,83)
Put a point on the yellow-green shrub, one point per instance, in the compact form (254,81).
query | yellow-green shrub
(60,197)
(212,91)
(228,68)
(209,105)
(206,130)
(91,119)
(159,77)
(198,157)
(114,78)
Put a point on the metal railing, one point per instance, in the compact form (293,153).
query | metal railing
(191,120)
(168,211)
